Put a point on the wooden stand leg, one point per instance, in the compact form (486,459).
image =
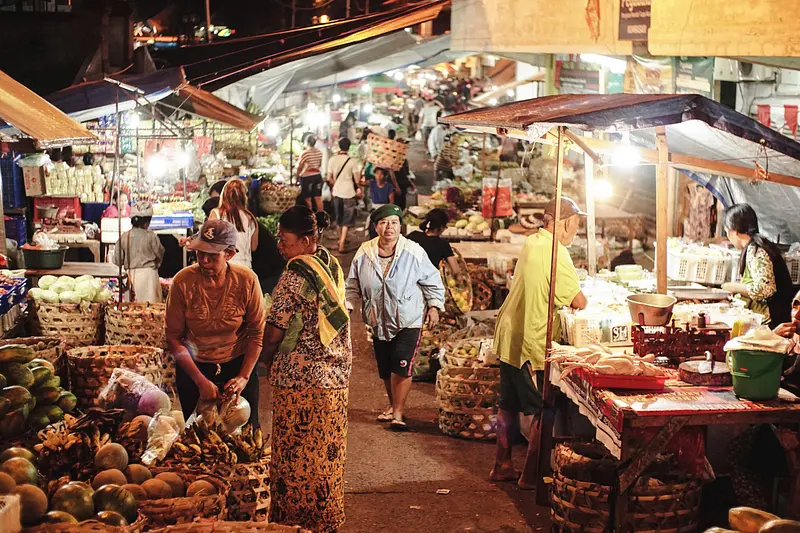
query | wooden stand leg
(546,445)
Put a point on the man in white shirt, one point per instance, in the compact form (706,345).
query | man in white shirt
(430,117)
(342,175)
(436,140)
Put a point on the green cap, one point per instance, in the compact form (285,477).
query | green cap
(384,211)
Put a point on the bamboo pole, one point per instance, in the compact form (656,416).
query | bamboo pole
(591,227)
(662,170)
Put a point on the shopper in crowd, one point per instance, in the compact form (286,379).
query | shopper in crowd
(430,238)
(213,197)
(399,289)
(508,150)
(401,181)
(347,129)
(308,352)
(436,140)
(448,158)
(140,252)
(766,283)
(430,117)
(268,264)
(233,208)
(342,177)
(381,192)
(310,171)
(112,211)
(215,322)
(520,335)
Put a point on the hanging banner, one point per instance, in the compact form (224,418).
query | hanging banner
(764,114)
(650,76)
(694,75)
(790,116)
(634,19)
(572,80)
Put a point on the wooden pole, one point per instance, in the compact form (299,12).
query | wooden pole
(662,170)
(591,227)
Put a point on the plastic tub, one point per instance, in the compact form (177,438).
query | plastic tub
(44,259)
(756,374)
(655,309)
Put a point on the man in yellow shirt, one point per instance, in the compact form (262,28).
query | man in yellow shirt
(521,331)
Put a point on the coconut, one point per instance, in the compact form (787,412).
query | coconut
(58,517)
(17,452)
(33,503)
(138,492)
(111,455)
(7,483)
(137,474)
(175,482)
(109,477)
(153,401)
(157,489)
(201,487)
(21,470)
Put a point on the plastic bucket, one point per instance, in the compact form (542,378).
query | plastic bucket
(756,374)
(44,259)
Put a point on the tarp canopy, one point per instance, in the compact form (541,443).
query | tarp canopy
(26,112)
(204,104)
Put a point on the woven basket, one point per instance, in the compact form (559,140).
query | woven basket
(669,508)
(231,527)
(91,367)
(139,324)
(171,511)
(278,201)
(50,349)
(456,387)
(579,506)
(87,526)
(475,424)
(453,283)
(249,496)
(386,153)
(467,399)
(79,324)
(577,453)
(482,296)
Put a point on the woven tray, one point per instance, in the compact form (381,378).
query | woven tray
(171,511)
(249,496)
(91,367)
(476,424)
(231,527)
(386,153)
(78,324)
(278,201)
(140,324)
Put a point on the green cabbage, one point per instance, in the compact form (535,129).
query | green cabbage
(96,283)
(49,297)
(36,293)
(85,290)
(68,280)
(102,296)
(58,287)
(46,281)
(69,297)
(85,277)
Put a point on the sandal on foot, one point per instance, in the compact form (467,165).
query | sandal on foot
(386,416)
(398,425)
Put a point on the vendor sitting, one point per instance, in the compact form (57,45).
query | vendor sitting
(112,212)
(141,252)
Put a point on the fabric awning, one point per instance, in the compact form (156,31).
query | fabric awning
(33,116)
(206,105)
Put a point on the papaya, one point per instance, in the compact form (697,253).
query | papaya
(18,374)
(40,373)
(780,526)
(46,395)
(13,423)
(42,362)
(18,396)
(748,520)
(67,401)
(16,353)
(52,381)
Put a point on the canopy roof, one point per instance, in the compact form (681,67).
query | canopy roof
(702,134)
(33,116)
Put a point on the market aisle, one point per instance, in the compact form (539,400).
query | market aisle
(391,479)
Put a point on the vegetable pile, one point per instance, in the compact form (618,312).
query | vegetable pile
(68,290)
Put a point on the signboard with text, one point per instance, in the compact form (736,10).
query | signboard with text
(634,19)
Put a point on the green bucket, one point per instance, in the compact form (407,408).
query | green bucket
(756,374)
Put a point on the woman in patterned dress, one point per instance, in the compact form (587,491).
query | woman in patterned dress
(308,352)
(766,283)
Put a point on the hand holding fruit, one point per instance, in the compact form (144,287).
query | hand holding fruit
(433,317)
(235,386)
(208,391)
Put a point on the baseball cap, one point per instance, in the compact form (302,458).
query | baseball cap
(215,236)
(386,210)
(142,209)
(568,208)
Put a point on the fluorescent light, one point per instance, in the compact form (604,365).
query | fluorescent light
(156,165)
(625,156)
(602,189)
(336,98)
(324,19)
(613,64)
(366,88)
(511,93)
(368,108)
(273,129)
(398,76)
(493,102)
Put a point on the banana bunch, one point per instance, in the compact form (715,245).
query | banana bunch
(63,450)
(130,438)
(249,444)
(203,445)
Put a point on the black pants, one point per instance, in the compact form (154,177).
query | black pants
(189,393)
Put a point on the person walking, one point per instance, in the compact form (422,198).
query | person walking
(309,169)
(215,322)
(342,175)
(233,208)
(140,252)
(308,353)
(448,158)
(436,140)
(399,289)
(520,335)
(429,118)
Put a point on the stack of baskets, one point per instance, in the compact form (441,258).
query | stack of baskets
(155,514)
(139,324)
(91,367)
(467,393)
(79,324)
(667,503)
(386,153)
(249,496)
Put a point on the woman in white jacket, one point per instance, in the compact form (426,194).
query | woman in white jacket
(399,289)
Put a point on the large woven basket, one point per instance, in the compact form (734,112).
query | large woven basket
(385,152)
(278,201)
(456,285)
(140,324)
(79,324)
(91,367)
(467,399)
(50,349)
(87,526)
(231,527)
(666,508)
(580,506)
(156,514)
(249,496)
(578,453)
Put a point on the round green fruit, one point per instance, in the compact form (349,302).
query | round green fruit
(33,503)
(21,471)
(58,517)
(17,452)
(111,518)
(115,498)
(75,499)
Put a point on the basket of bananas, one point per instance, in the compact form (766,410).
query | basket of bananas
(458,288)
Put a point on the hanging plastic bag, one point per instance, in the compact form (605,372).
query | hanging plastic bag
(327,195)
(124,390)
(162,433)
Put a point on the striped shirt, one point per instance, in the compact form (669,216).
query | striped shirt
(449,156)
(312,158)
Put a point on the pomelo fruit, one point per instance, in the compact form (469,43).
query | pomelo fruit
(138,492)
(21,470)
(32,504)
(137,474)
(58,517)
(157,489)
(111,455)
(111,518)
(17,452)
(115,498)
(7,483)
(108,477)
(201,487)
(175,482)
(75,499)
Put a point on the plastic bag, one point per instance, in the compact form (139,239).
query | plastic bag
(327,196)
(34,160)
(162,433)
(124,389)
(228,415)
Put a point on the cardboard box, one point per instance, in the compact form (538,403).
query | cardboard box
(34,181)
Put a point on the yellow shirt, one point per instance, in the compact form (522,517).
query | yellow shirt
(522,322)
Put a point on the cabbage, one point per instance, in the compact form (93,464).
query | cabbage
(49,297)
(85,290)
(102,296)
(36,293)
(85,277)
(96,283)
(68,280)
(69,297)
(46,281)
(59,287)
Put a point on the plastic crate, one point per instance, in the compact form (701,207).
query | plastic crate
(173,221)
(794,269)
(613,381)
(68,203)
(586,329)
(718,271)
(17,229)
(697,268)
(13,182)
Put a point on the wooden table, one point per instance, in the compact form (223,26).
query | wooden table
(98,270)
(616,415)
(90,244)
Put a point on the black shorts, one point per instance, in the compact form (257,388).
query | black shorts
(311,186)
(397,355)
(519,393)
(345,211)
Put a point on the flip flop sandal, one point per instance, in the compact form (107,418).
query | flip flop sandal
(398,425)
(386,416)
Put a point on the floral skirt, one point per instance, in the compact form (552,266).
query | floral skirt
(309,437)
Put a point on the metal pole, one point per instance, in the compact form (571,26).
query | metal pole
(291,151)
(366,12)
(662,170)
(208,21)
(591,227)
(347,10)
(119,186)
(483,157)
(554,258)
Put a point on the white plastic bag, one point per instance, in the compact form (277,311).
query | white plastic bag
(327,196)
(124,389)
(162,433)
